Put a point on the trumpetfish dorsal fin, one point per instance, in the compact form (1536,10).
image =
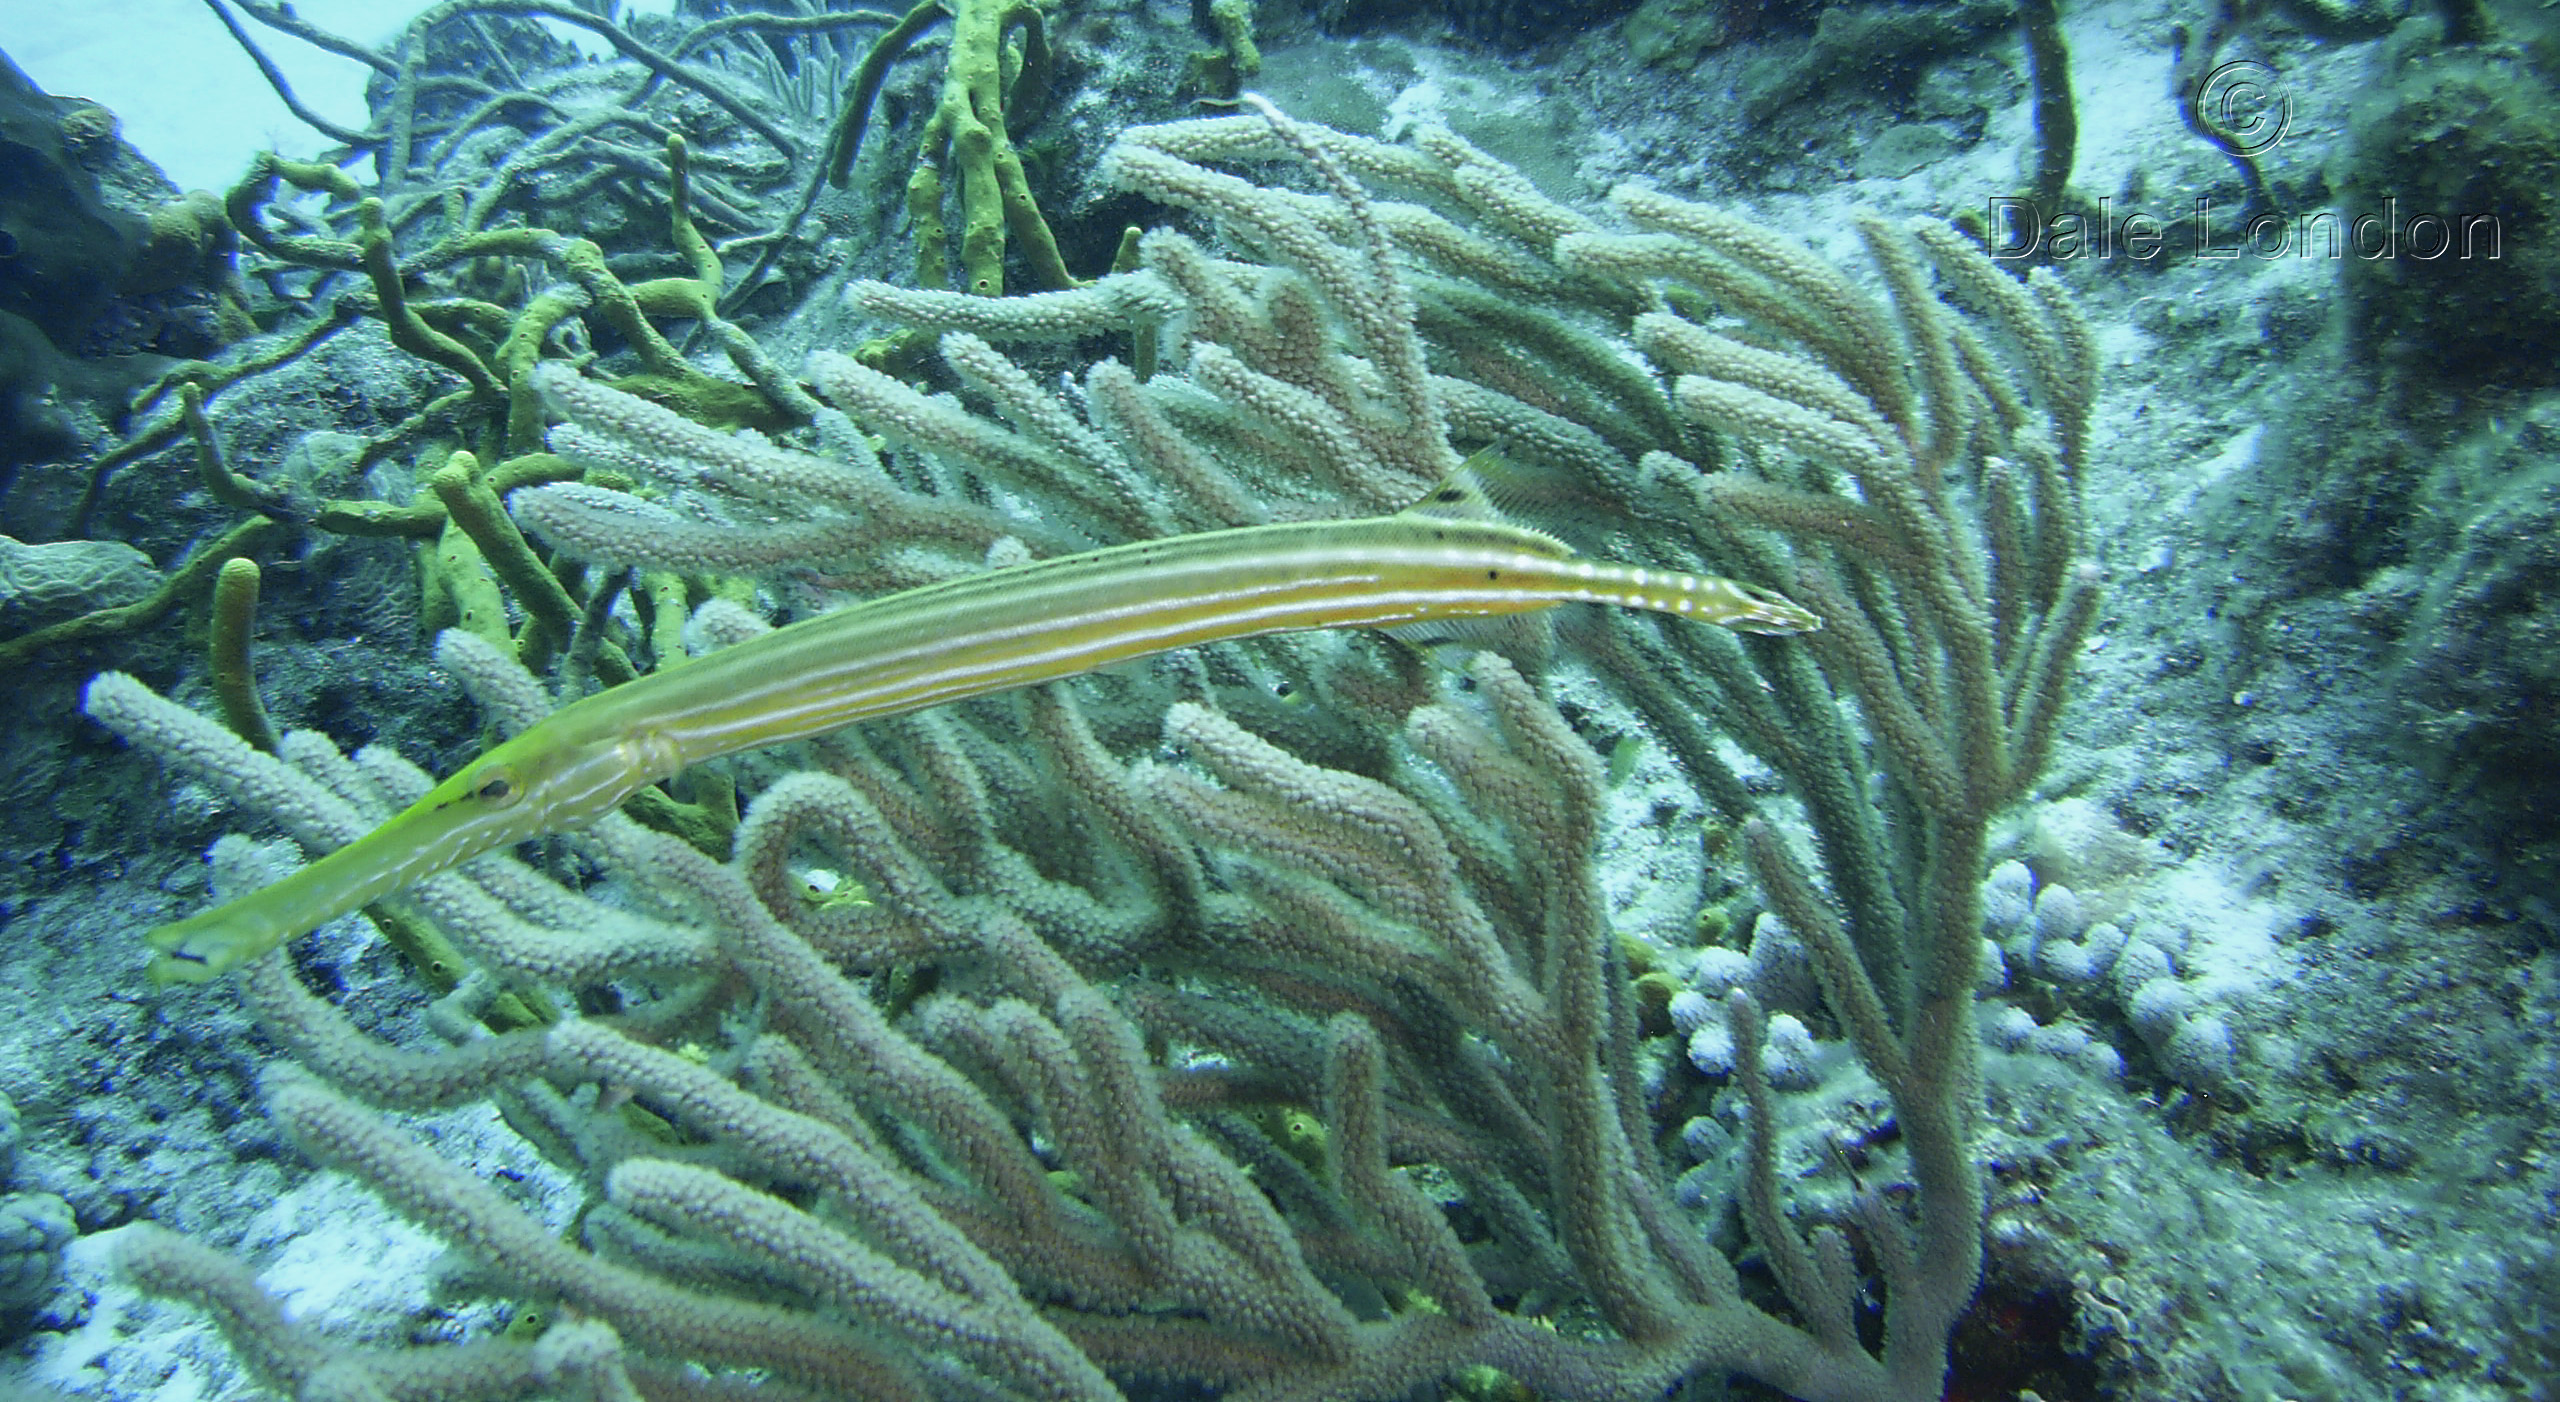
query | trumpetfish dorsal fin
(1490,485)
(1486,487)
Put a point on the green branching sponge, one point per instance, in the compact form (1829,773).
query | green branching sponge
(474,507)
(235,681)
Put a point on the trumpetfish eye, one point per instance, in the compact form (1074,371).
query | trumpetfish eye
(498,790)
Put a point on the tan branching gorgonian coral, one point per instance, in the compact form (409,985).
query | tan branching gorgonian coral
(1254,1021)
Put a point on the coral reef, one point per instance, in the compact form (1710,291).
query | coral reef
(1037,1173)
(2454,162)
(1517,23)
(1620,1010)
(104,268)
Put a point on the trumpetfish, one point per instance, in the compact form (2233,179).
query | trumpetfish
(1448,557)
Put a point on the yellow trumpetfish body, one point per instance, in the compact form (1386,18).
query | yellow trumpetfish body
(966,637)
